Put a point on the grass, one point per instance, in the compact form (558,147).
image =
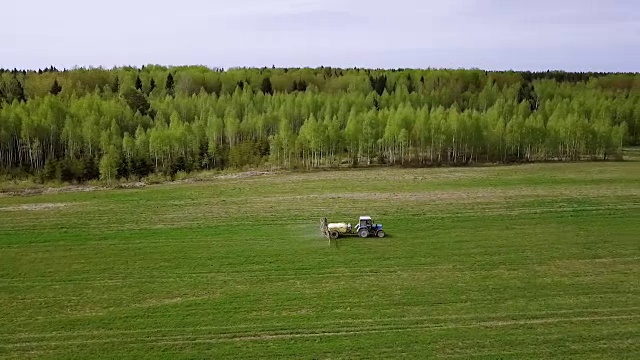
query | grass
(530,261)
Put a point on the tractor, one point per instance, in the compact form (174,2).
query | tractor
(365,228)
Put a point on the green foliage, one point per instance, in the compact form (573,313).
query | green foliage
(91,170)
(152,86)
(378,84)
(266,86)
(211,119)
(137,101)
(115,85)
(50,169)
(109,164)
(14,90)
(138,84)
(169,84)
(298,85)
(55,88)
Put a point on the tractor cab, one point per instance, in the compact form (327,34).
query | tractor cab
(365,222)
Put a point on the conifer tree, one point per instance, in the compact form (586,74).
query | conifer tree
(169,85)
(55,88)
(138,84)
(266,86)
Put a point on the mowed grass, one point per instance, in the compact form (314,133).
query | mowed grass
(531,261)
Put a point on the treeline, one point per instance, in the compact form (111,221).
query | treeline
(81,124)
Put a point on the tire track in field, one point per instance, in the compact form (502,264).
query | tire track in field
(330,323)
(288,335)
(434,199)
(262,275)
(466,195)
(21,226)
(288,273)
(487,324)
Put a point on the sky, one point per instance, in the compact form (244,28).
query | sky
(570,35)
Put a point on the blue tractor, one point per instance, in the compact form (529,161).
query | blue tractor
(366,227)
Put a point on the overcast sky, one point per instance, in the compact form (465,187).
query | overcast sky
(573,35)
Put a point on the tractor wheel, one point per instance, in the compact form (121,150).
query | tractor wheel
(333,234)
(380,234)
(363,233)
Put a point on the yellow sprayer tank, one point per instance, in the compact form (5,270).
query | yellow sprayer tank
(341,228)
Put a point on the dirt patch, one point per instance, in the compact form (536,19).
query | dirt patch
(35,207)
(244,175)
(132,185)
(205,178)
(53,190)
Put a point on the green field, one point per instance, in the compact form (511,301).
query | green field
(528,261)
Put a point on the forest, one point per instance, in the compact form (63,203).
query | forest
(80,124)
